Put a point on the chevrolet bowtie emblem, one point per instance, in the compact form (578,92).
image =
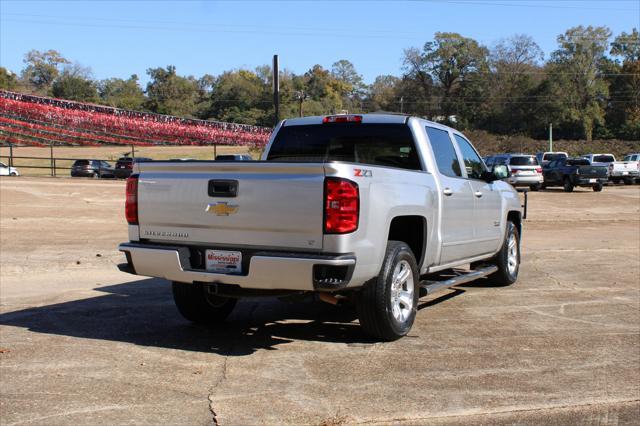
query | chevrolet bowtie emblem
(222,208)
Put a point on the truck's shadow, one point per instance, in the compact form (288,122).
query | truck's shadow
(142,312)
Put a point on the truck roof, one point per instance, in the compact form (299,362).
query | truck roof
(371,118)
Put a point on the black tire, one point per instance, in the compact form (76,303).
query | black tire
(568,186)
(196,305)
(505,275)
(615,180)
(375,301)
(597,187)
(628,181)
(13,174)
(543,186)
(535,187)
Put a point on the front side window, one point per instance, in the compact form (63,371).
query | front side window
(444,152)
(472,161)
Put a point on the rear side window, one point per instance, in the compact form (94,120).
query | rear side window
(389,145)
(81,163)
(445,155)
(578,162)
(524,161)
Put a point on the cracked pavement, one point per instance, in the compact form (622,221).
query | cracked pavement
(81,342)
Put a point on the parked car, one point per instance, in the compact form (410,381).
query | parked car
(572,172)
(634,157)
(545,157)
(92,168)
(525,170)
(357,207)
(626,171)
(8,171)
(233,157)
(124,166)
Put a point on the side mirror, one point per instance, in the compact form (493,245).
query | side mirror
(501,172)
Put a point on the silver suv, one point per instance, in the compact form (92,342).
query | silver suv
(525,169)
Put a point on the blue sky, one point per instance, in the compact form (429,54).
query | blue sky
(120,38)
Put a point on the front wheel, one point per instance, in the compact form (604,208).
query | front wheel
(197,305)
(13,174)
(597,187)
(387,304)
(508,258)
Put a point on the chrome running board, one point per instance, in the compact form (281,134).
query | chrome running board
(435,286)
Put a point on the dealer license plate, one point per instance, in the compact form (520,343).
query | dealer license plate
(592,181)
(625,173)
(223,261)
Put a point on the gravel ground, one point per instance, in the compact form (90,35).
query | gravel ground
(82,343)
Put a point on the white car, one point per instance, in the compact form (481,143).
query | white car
(8,171)
(625,171)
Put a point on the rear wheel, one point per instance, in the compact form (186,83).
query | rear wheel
(535,187)
(628,181)
(615,180)
(508,258)
(197,305)
(597,187)
(387,304)
(13,174)
(568,186)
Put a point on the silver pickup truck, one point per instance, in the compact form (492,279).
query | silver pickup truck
(372,209)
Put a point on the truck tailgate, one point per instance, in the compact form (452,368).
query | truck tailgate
(275,205)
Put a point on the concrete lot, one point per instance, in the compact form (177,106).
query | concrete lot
(82,343)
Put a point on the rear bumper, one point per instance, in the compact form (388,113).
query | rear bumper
(266,271)
(628,174)
(583,181)
(525,180)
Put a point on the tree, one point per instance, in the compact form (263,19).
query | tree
(120,93)
(75,84)
(241,97)
(42,68)
(575,69)
(515,73)
(623,108)
(382,94)
(8,80)
(457,65)
(348,83)
(169,93)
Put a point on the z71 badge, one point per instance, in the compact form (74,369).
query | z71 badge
(363,173)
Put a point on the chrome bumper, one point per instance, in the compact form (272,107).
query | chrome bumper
(270,272)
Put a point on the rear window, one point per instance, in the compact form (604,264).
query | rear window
(553,157)
(603,159)
(578,162)
(524,161)
(377,144)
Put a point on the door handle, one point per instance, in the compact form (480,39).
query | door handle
(478,194)
(447,192)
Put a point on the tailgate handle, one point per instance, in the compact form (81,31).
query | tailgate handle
(223,188)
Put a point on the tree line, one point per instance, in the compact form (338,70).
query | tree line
(589,87)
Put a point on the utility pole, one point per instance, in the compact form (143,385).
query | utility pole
(10,154)
(401,104)
(301,96)
(550,137)
(276,88)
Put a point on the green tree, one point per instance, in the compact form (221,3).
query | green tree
(75,83)
(575,70)
(120,93)
(458,65)
(42,68)
(169,93)
(241,97)
(515,73)
(623,108)
(383,94)
(8,80)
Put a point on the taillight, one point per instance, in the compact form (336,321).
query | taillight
(538,169)
(131,201)
(342,119)
(342,206)
(129,165)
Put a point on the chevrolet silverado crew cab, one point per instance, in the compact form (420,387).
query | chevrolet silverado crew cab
(362,208)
